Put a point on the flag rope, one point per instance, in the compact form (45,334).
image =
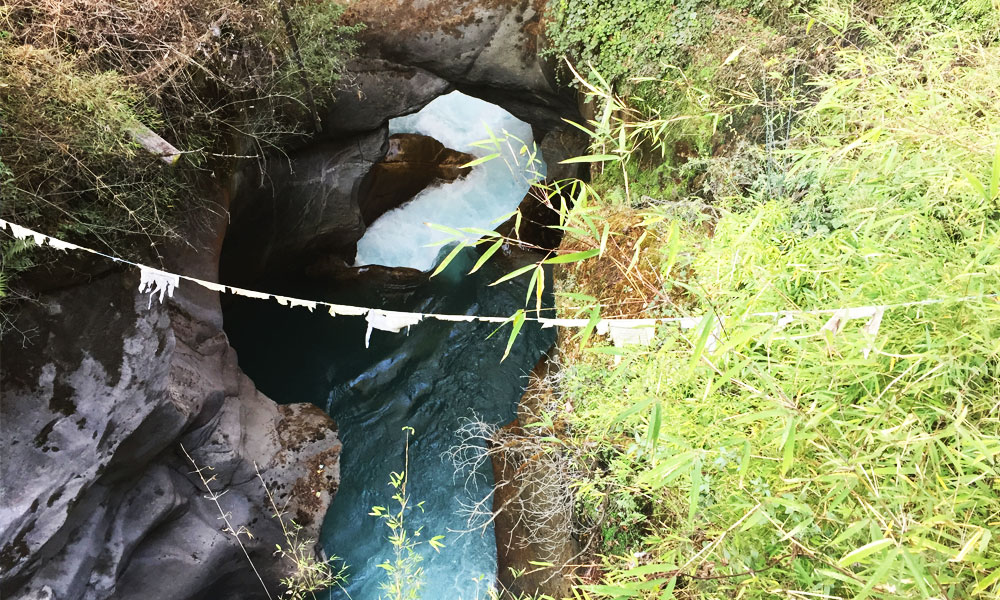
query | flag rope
(623,331)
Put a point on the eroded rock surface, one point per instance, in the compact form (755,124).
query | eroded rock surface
(523,494)
(486,48)
(97,499)
(306,205)
(381,90)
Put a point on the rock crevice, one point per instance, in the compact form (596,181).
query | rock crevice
(99,501)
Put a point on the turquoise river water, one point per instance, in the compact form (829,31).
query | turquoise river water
(429,379)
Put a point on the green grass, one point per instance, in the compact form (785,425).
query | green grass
(794,462)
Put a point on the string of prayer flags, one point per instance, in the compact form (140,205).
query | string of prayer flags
(623,332)
(347,311)
(215,287)
(293,302)
(840,318)
(783,322)
(454,318)
(40,239)
(577,323)
(248,293)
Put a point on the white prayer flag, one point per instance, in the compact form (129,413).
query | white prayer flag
(348,311)
(578,323)
(154,280)
(871,329)
(293,302)
(24,233)
(454,318)
(389,320)
(248,293)
(632,332)
(215,287)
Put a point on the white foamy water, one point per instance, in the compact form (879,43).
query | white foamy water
(400,237)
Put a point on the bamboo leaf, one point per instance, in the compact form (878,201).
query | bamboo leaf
(987,582)
(635,408)
(580,127)
(444,228)
(968,546)
(655,418)
(531,284)
(486,256)
(736,53)
(539,288)
(878,576)
(595,316)
(919,574)
(788,446)
(487,233)
(859,554)
(591,158)
(695,492)
(447,260)
(638,249)
(480,160)
(995,175)
(518,321)
(704,330)
(514,274)
(610,591)
(571,257)
(976,185)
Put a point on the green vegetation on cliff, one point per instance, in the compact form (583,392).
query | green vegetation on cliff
(790,158)
(220,81)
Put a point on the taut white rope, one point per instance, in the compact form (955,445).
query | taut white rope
(621,330)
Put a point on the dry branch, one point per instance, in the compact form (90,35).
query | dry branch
(154,144)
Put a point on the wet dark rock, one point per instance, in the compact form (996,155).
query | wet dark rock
(559,144)
(412,163)
(369,285)
(306,205)
(379,91)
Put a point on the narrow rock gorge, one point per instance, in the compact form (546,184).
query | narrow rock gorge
(106,392)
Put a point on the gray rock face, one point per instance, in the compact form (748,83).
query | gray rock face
(307,205)
(381,90)
(486,48)
(97,499)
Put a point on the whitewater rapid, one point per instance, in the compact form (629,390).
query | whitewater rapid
(402,237)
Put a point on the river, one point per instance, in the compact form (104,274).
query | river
(430,378)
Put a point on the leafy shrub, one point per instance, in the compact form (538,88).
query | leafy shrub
(221,81)
(797,460)
(623,40)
